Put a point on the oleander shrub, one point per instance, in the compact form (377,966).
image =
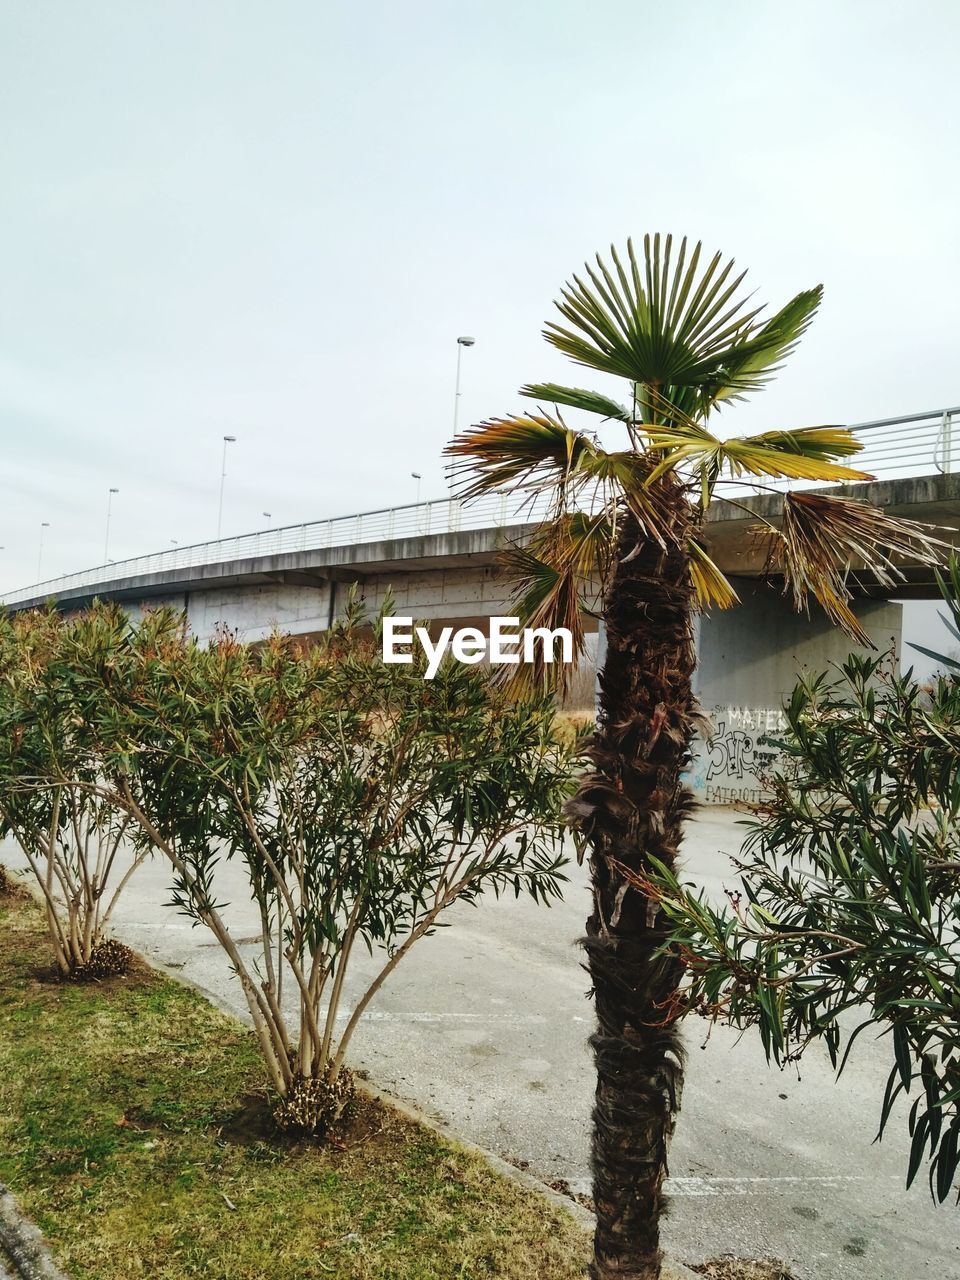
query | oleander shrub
(51,802)
(847,915)
(360,800)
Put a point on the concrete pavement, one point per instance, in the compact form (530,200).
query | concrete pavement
(485,1026)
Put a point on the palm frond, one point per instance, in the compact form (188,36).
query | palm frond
(541,453)
(682,332)
(565,557)
(822,538)
(756,360)
(577,398)
(805,453)
(711,585)
(515,452)
(625,475)
(825,443)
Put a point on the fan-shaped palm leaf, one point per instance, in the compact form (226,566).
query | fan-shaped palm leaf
(577,398)
(802,454)
(566,557)
(757,359)
(711,584)
(675,329)
(514,453)
(540,453)
(822,538)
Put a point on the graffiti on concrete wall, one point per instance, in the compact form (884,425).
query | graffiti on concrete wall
(737,755)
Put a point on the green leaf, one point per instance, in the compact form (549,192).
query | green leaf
(675,327)
(576,398)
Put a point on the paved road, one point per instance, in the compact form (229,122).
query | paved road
(485,1026)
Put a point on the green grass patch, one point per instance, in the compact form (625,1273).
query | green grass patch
(134,1129)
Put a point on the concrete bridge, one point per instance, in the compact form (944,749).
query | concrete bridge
(440,561)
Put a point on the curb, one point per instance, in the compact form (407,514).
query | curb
(22,1246)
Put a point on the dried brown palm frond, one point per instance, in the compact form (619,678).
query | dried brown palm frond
(566,557)
(711,585)
(539,453)
(517,452)
(823,537)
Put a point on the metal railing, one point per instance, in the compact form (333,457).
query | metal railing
(914,445)
(446,515)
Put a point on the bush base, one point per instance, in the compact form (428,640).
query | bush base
(312,1106)
(109,959)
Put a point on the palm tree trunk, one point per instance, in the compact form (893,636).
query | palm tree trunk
(632,807)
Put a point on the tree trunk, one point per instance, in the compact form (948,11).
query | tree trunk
(632,807)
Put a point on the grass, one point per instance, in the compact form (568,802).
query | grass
(134,1130)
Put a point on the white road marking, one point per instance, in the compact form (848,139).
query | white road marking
(490,1019)
(732,1186)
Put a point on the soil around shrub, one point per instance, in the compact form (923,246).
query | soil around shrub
(743,1269)
(8,885)
(109,959)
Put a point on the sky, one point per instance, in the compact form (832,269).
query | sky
(273,220)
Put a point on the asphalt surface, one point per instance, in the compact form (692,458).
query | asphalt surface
(485,1026)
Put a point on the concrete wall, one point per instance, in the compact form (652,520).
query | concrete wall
(253,611)
(749,661)
(447,595)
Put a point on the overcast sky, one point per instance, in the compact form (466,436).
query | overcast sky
(272,219)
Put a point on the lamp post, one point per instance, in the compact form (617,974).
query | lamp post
(44,524)
(223,476)
(106,536)
(415,475)
(461,343)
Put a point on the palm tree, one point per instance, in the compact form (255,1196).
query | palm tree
(686,340)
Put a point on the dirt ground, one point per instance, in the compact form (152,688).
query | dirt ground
(742,1269)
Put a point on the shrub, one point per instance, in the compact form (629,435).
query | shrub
(71,836)
(849,897)
(361,801)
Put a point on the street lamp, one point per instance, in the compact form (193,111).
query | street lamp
(106,536)
(418,477)
(223,475)
(461,343)
(44,524)
(268,515)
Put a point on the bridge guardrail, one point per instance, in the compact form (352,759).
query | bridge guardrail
(916,444)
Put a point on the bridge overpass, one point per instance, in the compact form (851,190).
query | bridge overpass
(440,561)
